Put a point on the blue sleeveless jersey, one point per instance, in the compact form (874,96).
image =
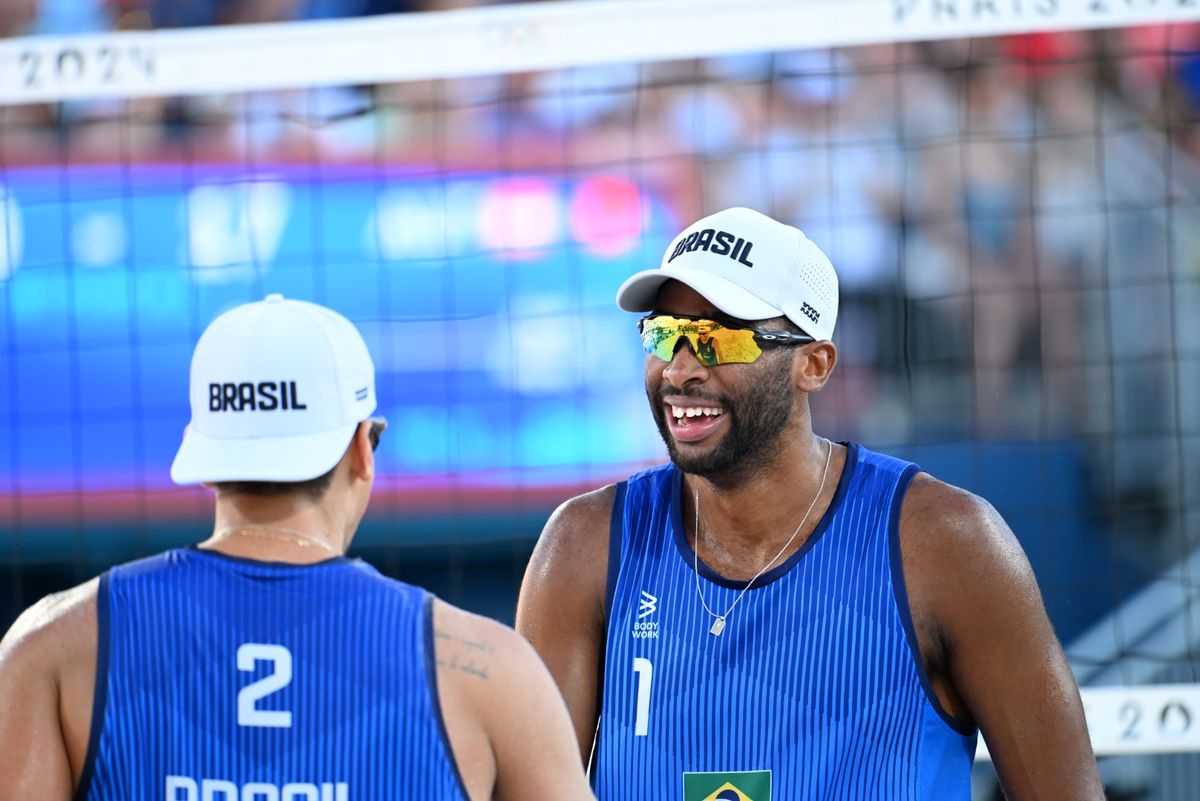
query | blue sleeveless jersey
(224,679)
(814,690)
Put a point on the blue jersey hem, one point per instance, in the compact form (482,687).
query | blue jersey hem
(100,692)
(905,611)
(616,531)
(435,696)
(616,534)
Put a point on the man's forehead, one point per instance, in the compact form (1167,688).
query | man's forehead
(676,297)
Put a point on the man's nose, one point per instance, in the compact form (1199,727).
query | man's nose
(684,367)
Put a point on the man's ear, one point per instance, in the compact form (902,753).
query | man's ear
(362,456)
(813,365)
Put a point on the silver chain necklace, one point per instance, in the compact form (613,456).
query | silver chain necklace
(719,623)
(290,535)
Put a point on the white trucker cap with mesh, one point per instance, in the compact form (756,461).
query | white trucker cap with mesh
(278,388)
(750,267)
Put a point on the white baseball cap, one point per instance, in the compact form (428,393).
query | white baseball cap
(278,388)
(750,267)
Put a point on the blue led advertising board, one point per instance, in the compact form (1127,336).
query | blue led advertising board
(486,301)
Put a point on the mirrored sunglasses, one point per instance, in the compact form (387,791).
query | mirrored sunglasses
(378,426)
(712,341)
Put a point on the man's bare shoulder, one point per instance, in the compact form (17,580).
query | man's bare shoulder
(962,562)
(988,643)
(583,518)
(950,520)
(484,660)
(47,675)
(473,647)
(574,541)
(561,609)
(508,724)
(57,630)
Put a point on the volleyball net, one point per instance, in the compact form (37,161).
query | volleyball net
(1008,191)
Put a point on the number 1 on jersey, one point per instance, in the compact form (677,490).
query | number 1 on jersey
(645,675)
(247,655)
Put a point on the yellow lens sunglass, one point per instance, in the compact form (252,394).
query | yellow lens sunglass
(713,342)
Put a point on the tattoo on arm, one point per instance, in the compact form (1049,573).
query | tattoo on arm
(474,663)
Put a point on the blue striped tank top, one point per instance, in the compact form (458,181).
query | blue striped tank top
(815,688)
(225,679)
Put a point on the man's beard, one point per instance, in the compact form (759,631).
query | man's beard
(754,426)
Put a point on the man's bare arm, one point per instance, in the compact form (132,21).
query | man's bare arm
(561,608)
(47,674)
(1002,664)
(522,747)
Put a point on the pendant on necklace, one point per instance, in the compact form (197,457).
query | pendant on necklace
(717,627)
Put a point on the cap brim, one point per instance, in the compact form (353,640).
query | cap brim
(203,459)
(640,291)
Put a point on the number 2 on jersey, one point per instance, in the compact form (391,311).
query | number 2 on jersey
(645,675)
(248,654)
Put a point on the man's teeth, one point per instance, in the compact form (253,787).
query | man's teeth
(695,411)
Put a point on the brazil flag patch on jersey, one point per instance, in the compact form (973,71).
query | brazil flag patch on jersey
(752,785)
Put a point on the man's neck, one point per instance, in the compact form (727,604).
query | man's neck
(275,530)
(758,514)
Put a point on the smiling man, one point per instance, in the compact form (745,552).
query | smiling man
(772,615)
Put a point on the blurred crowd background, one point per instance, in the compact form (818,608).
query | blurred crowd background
(1012,218)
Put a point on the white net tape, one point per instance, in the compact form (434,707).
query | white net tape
(516,38)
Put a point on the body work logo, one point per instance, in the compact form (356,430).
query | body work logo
(752,785)
(646,629)
(647,605)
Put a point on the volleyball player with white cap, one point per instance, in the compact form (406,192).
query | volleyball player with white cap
(773,615)
(262,664)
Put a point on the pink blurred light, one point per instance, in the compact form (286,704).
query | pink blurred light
(519,216)
(606,215)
